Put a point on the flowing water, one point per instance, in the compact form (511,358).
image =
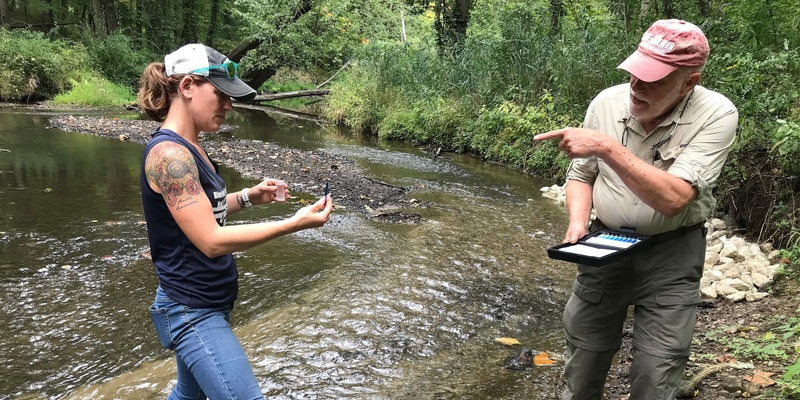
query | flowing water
(355,310)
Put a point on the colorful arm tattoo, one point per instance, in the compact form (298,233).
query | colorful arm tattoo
(172,169)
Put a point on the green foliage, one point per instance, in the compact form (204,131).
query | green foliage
(436,120)
(359,101)
(779,344)
(324,38)
(790,381)
(787,139)
(33,67)
(287,81)
(744,348)
(505,133)
(118,59)
(96,91)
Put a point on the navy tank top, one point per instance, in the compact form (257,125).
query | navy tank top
(186,274)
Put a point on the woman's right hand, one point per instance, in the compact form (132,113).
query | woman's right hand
(315,215)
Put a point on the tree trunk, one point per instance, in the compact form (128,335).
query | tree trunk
(49,19)
(212,23)
(189,31)
(704,7)
(644,10)
(556,12)
(97,18)
(451,25)
(110,13)
(669,11)
(4,10)
(138,23)
(257,76)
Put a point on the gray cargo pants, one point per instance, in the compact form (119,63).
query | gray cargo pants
(662,283)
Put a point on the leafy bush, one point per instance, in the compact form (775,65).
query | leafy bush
(117,59)
(505,134)
(96,91)
(33,67)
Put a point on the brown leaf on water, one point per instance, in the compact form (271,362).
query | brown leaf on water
(542,359)
(507,341)
(760,378)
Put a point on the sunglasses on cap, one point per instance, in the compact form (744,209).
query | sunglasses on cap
(230,67)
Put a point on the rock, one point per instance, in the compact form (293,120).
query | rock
(718,224)
(731,384)
(737,284)
(730,250)
(712,257)
(755,296)
(723,289)
(714,248)
(734,297)
(709,292)
(520,361)
(760,280)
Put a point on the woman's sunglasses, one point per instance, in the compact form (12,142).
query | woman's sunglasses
(230,67)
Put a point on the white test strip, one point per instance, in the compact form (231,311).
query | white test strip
(584,250)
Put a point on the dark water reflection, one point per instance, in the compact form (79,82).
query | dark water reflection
(357,309)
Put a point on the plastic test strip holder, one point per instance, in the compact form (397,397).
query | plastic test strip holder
(599,247)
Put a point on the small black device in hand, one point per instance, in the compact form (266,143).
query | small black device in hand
(325,195)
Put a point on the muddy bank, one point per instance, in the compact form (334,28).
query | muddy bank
(304,171)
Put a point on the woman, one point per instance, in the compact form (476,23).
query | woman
(186,204)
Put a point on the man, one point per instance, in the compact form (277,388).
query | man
(645,159)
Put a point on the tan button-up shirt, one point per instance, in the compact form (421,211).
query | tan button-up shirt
(702,129)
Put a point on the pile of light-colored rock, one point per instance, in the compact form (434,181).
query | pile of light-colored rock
(734,270)
(554,192)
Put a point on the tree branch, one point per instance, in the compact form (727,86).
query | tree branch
(334,75)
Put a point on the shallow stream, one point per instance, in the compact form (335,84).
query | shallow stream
(357,309)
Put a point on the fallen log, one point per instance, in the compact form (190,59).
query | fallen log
(289,95)
(280,111)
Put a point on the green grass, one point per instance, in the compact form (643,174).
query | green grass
(96,92)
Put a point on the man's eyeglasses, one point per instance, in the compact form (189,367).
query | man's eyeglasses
(230,67)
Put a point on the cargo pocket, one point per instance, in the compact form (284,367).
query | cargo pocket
(160,318)
(587,294)
(678,298)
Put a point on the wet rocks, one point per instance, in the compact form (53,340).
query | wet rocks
(305,171)
(522,360)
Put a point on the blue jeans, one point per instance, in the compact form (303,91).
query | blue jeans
(211,361)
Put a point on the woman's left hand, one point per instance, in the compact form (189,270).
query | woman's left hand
(267,191)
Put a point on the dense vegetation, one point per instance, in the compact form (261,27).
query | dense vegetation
(472,76)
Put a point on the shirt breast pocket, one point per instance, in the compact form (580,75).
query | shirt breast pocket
(665,158)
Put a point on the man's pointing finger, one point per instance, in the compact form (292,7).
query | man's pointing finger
(558,134)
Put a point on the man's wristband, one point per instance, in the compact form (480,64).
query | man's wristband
(246,199)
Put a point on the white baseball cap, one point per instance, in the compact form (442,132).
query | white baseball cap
(199,59)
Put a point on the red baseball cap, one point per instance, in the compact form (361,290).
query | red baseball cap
(667,45)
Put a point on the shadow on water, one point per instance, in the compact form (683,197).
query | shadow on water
(356,309)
